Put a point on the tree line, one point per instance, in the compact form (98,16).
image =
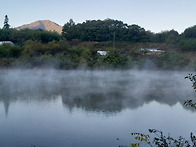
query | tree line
(102,30)
(78,44)
(112,30)
(115,30)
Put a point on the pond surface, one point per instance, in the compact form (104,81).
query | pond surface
(78,108)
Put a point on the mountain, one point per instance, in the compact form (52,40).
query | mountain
(42,24)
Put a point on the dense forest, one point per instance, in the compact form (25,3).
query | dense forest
(78,44)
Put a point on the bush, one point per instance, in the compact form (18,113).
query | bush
(172,60)
(114,59)
(8,51)
(6,63)
(188,45)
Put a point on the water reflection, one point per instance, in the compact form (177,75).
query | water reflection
(100,91)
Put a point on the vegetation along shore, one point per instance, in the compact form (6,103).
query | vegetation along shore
(97,44)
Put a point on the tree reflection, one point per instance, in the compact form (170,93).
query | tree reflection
(100,91)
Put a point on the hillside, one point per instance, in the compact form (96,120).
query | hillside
(42,24)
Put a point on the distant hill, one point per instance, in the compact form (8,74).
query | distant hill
(42,24)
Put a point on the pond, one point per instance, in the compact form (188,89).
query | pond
(48,108)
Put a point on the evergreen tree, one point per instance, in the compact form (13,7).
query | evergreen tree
(6,24)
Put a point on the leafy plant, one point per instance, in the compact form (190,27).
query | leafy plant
(167,141)
(161,140)
(142,138)
(192,78)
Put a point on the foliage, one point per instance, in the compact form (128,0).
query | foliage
(70,30)
(190,103)
(9,51)
(6,24)
(106,30)
(33,48)
(115,59)
(192,78)
(6,62)
(5,34)
(35,35)
(172,60)
(160,140)
(19,37)
(115,30)
(79,43)
(141,138)
(36,48)
(167,141)
(188,44)
(74,54)
(170,37)
(57,55)
(190,32)
(188,39)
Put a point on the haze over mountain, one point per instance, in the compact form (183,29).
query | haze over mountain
(42,24)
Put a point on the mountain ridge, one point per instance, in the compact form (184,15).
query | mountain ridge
(42,24)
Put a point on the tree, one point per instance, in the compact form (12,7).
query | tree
(6,24)
(190,32)
(70,30)
(169,37)
(104,30)
(136,34)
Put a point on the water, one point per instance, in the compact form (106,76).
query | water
(47,108)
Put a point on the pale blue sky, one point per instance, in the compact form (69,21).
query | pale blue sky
(153,15)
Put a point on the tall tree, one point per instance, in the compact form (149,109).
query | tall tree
(6,24)
(70,30)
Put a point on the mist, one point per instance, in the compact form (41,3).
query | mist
(92,107)
(102,91)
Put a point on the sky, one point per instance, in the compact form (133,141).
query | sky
(153,15)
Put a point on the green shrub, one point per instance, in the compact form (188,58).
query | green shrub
(188,44)
(9,51)
(172,60)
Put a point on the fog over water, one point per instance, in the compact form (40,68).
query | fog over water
(111,91)
(63,105)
